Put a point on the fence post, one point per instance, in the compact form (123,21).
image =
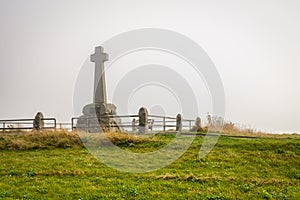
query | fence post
(72,125)
(3,127)
(190,125)
(164,123)
(133,125)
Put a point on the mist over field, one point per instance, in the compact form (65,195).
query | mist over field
(254,45)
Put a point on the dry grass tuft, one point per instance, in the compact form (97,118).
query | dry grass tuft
(167,176)
(119,139)
(39,140)
(237,132)
(63,139)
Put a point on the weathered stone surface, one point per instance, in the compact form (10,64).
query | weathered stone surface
(198,122)
(143,120)
(99,109)
(88,124)
(133,125)
(197,127)
(99,57)
(38,122)
(99,116)
(179,123)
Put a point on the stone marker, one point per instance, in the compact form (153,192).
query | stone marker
(179,123)
(143,120)
(133,125)
(209,120)
(197,127)
(198,122)
(99,116)
(38,122)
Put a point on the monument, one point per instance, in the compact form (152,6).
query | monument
(99,115)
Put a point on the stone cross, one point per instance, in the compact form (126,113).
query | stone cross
(99,57)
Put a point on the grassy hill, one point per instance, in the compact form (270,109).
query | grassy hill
(54,165)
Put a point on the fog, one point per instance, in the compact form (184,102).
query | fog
(254,45)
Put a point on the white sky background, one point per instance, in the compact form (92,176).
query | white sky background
(254,44)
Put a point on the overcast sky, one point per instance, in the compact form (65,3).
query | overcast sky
(254,44)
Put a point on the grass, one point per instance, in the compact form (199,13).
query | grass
(36,167)
(246,133)
(38,140)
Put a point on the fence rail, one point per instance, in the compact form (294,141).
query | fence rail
(155,123)
(25,124)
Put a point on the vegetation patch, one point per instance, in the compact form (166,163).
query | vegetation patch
(236,168)
(63,139)
(39,140)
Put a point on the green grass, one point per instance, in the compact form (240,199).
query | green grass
(264,168)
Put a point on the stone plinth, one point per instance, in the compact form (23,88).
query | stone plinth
(98,118)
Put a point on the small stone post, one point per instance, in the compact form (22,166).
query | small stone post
(133,125)
(197,126)
(143,120)
(198,122)
(209,120)
(38,122)
(179,123)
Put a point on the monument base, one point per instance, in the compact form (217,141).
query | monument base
(99,117)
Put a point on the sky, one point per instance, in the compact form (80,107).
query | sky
(254,45)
